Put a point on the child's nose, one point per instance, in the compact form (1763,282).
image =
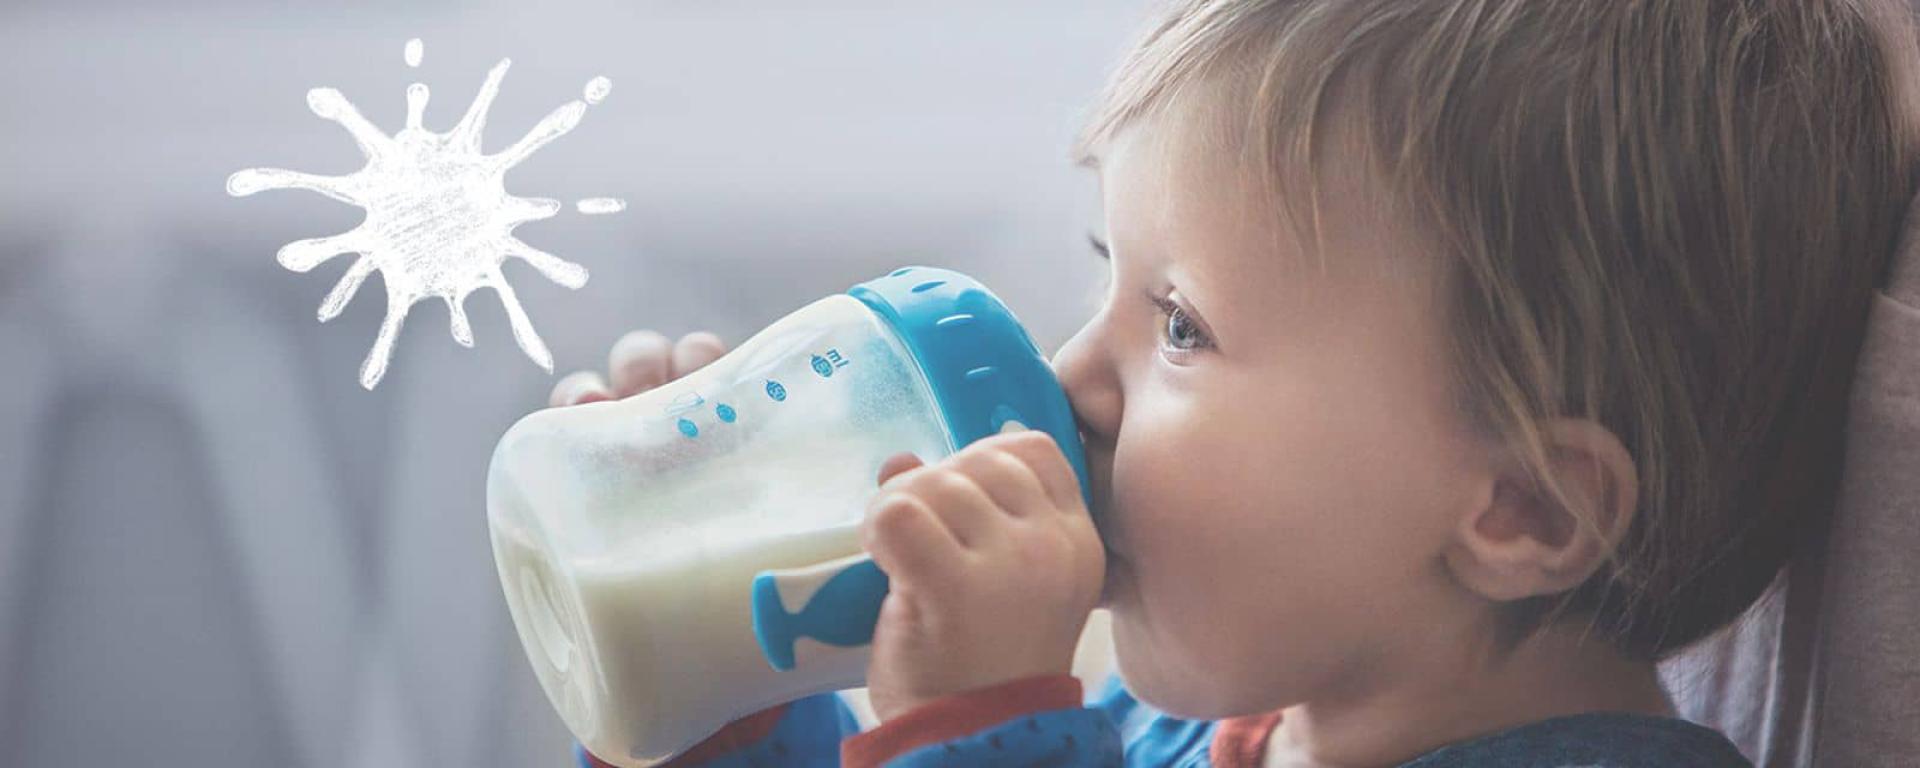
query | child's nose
(1087,375)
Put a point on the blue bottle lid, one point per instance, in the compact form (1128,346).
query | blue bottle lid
(982,366)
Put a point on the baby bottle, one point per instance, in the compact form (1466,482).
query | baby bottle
(687,556)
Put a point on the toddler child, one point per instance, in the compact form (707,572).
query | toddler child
(1461,360)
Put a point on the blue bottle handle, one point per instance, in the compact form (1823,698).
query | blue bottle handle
(840,603)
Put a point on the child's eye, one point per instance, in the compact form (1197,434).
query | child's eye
(1181,332)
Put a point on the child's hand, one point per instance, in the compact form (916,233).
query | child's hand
(639,361)
(994,566)
(992,559)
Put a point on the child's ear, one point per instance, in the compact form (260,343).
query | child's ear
(1522,541)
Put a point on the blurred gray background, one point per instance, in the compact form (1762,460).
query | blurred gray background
(215,547)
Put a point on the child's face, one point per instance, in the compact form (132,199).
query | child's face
(1278,467)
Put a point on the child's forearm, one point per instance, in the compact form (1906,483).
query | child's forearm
(1028,722)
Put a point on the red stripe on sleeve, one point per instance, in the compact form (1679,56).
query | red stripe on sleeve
(1241,742)
(952,717)
(733,736)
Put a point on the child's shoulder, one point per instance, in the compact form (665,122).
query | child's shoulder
(1149,736)
(1612,739)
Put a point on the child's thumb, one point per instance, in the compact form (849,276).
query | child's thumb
(896,464)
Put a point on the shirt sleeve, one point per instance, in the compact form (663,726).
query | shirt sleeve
(1029,722)
(804,734)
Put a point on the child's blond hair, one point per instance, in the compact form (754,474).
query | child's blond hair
(1667,216)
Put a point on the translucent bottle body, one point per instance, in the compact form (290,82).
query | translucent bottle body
(627,534)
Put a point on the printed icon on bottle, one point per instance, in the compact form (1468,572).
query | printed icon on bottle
(776,391)
(825,365)
(725,412)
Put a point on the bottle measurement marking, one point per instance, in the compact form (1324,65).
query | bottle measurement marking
(825,364)
(684,403)
(691,400)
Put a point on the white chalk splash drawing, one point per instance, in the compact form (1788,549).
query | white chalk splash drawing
(439,220)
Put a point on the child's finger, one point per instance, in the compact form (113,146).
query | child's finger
(639,361)
(1007,479)
(1043,455)
(579,387)
(695,350)
(896,464)
(908,542)
(959,503)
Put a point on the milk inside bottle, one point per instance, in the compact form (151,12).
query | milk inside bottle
(687,556)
